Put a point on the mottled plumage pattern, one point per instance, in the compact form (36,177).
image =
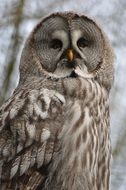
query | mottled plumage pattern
(54,129)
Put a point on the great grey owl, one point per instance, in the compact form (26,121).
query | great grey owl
(54,129)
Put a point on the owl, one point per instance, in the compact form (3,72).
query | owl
(55,128)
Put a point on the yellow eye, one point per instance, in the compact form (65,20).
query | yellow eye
(82,43)
(56,44)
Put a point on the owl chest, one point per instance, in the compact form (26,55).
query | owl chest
(76,164)
(80,137)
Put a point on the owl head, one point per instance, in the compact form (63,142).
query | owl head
(68,45)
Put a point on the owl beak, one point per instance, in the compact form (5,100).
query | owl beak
(70,55)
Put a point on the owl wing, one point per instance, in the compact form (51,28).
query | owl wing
(29,123)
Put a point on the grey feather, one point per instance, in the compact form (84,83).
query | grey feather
(54,129)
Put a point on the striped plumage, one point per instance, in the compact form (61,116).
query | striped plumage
(54,131)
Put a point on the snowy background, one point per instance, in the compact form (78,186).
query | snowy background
(17,19)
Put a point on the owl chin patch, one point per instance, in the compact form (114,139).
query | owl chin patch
(73,74)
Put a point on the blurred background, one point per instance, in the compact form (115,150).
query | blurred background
(17,19)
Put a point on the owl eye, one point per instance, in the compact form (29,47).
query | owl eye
(82,43)
(56,44)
